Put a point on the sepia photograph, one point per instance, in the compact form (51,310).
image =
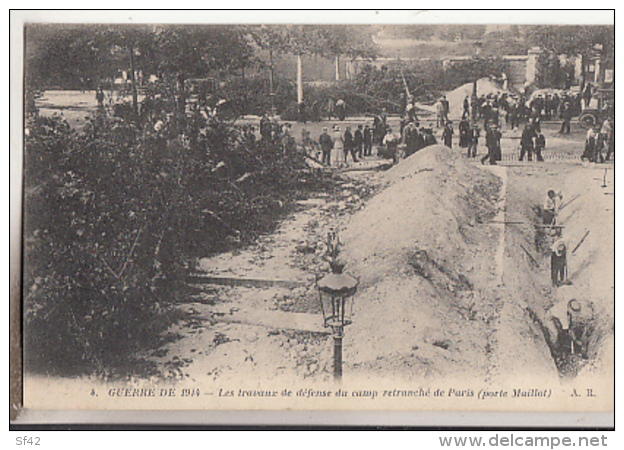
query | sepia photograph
(299,215)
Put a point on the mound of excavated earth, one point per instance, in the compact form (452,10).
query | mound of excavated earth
(427,267)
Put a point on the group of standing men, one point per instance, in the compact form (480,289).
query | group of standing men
(598,140)
(337,148)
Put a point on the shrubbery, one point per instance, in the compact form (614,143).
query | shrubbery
(115,217)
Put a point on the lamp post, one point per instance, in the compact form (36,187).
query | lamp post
(336,292)
(475,98)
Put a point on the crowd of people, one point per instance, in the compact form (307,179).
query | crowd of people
(379,138)
(517,109)
(514,111)
(483,117)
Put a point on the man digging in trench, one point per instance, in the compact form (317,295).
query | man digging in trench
(552,204)
(559,263)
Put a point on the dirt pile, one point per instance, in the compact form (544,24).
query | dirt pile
(432,201)
(426,265)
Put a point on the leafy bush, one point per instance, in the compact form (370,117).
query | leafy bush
(116,216)
(251,95)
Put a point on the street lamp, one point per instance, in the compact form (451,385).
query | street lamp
(336,292)
(474,98)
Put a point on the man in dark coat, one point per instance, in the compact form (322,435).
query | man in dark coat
(326,143)
(587,95)
(358,140)
(410,139)
(379,129)
(540,144)
(473,140)
(429,138)
(464,130)
(492,142)
(526,142)
(99,96)
(265,128)
(566,116)
(349,145)
(368,141)
(447,134)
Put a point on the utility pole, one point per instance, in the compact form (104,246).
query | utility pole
(337,67)
(135,100)
(299,80)
(271,75)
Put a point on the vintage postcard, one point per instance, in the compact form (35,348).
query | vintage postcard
(315,212)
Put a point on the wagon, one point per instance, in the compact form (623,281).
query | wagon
(591,117)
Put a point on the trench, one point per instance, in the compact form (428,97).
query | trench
(529,293)
(520,333)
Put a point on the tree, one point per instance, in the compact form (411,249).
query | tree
(65,56)
(323,40)
(581,40)
(342,40)
(572,39)
(83,55)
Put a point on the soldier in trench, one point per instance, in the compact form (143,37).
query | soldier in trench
(552,204)
(571,326)
(559,263)
(579,326)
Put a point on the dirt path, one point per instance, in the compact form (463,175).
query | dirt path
(262,332)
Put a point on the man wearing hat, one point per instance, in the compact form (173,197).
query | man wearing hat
(326,143)
(349,145)
(559,263)
(551,206)
(526,142)
(492,142)
(580,325)
(447,134)
(473,140)
(368,140)
(540,145)
(358,141)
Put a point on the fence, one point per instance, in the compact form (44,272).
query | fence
(548,156)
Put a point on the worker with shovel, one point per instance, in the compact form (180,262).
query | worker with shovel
(559,263)
(580,320)
(552,205)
